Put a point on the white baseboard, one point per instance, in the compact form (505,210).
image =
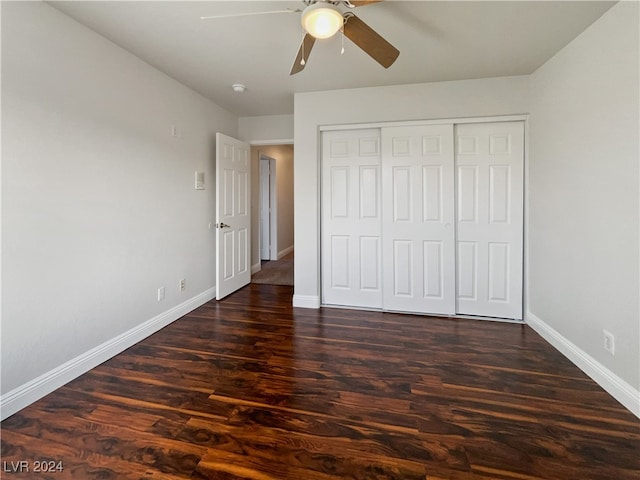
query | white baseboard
(614,385)
(26,394)
(256,267)
(306,301)
(284,252)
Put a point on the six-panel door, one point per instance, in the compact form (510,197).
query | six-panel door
(489,163)
(418,241)
(233,216)
(424,218)
(351,249)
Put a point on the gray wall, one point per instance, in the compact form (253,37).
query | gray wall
(583,182)
(98,201)
(467,98)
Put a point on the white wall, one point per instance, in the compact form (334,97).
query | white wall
(583,223)
(468,98)
(266,129)
(98,204)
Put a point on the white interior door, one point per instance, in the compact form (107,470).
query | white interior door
(265,210)
(418,219)
(233,219)
(351,218)
(489,184)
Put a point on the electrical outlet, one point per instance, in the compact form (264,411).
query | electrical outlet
(183,285)
(609,342)
(161,294)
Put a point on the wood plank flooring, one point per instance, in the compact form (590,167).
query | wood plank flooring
(251,388)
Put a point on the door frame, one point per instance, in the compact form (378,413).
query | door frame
(273,206)
(255,148)
(455,120)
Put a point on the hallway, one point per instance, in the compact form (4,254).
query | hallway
(276,272)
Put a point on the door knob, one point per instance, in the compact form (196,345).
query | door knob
(222,225)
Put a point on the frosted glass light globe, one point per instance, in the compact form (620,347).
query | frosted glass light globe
(322,20)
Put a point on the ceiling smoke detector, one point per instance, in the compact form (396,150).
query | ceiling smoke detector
(238,87)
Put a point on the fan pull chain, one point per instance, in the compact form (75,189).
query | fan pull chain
(302,62)
(342,31)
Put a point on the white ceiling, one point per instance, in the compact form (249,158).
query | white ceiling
(437,41)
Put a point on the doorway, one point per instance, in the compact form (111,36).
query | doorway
(272,214)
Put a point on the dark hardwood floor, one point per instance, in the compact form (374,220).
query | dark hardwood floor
(250,388)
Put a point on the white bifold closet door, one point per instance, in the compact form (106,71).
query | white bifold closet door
(489,188)
(351,248)
(418,224)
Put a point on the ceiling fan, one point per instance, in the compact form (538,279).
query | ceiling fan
(323,19)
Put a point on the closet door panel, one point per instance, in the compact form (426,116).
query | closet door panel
(401,198)
(489,171)
(403,263)
(433,269)
(467,278)
(418,245)
(370,268)
(432,201)
(351,218)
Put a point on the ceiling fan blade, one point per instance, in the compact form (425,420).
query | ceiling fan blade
(250,14)
(370,41)
(303,52)
(362,3)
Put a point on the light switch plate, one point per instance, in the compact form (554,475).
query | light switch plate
(199,180)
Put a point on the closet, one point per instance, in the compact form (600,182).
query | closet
(424,218)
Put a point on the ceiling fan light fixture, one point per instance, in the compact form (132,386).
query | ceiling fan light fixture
(322,20)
